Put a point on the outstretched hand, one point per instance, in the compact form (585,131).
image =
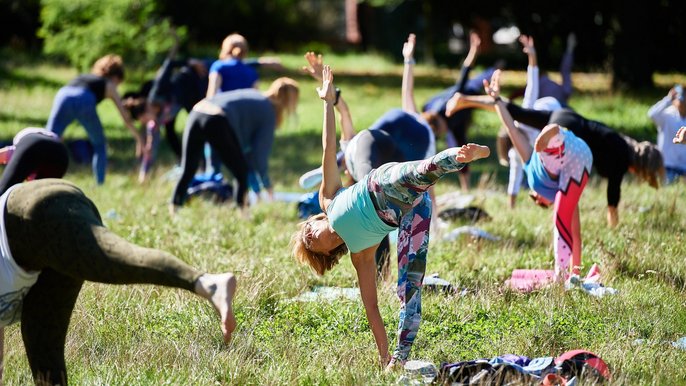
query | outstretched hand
(493,89)
(527,42)
(474,41)
(327,92)
(680,136)
(315,65)
(571,41)
(408,47)
(472,152)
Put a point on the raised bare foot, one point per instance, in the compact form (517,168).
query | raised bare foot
(219,289)
(472,152)
(454,104)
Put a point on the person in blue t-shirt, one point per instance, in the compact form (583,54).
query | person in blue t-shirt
(232,71)
(359,217)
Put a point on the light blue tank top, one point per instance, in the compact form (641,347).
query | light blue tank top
(353,216)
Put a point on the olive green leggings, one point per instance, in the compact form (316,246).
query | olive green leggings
(53,227)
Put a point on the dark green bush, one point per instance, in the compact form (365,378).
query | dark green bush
(82,30)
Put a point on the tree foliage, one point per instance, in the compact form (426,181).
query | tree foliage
(83,30)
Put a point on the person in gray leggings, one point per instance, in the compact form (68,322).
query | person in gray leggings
(40,281)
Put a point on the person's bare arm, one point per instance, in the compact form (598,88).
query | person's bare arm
(271,63)
(528,48)
(474,44)
(213,84)
(531,91)
(680,136)
(347,128)
(314,68)
(519,139)
(407,89)
(111,92)
(331,179)
(365,266)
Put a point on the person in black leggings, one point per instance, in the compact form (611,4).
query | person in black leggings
(614,154)
(45,278)
(215,129)
(35,153)
(239,125)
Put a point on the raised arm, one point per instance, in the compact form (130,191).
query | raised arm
(331,179)
(566,65)
(519,139)
(474,44)
(655,112)
(531,91)
(407,92)
(314,68)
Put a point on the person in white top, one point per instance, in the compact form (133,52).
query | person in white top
(669,114)
(531,100)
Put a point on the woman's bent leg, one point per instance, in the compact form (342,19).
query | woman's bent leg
(563,240)
(413,244)
(193,152)
(45,319)
(222,137)
(96,133)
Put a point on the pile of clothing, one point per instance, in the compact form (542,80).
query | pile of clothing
(509,369)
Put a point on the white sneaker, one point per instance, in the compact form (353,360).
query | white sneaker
(311,179)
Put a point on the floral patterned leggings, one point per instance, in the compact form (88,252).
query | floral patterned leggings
(398,191)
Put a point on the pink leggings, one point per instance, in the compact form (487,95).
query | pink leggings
(565,205)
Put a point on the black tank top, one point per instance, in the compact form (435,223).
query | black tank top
(96,84)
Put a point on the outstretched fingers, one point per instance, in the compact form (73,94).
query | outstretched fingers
(680,136)
(327,91)
(408,47)
(474,40)
(493,88)
(315,65)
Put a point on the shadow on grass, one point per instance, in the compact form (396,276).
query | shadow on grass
(24,120)
(13,79)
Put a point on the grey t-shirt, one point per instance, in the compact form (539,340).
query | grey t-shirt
(252,117)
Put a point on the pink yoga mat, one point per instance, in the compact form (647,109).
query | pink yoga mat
(527,280)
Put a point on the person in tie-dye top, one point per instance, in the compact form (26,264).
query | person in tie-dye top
(359,217)
(557,170)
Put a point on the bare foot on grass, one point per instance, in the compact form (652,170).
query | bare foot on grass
(219,289)
(472,152)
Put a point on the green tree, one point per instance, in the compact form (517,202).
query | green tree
(83,30)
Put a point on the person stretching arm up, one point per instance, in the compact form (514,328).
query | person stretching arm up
(359,217)
(558,167)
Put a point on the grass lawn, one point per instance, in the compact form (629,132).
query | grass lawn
(147,335)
